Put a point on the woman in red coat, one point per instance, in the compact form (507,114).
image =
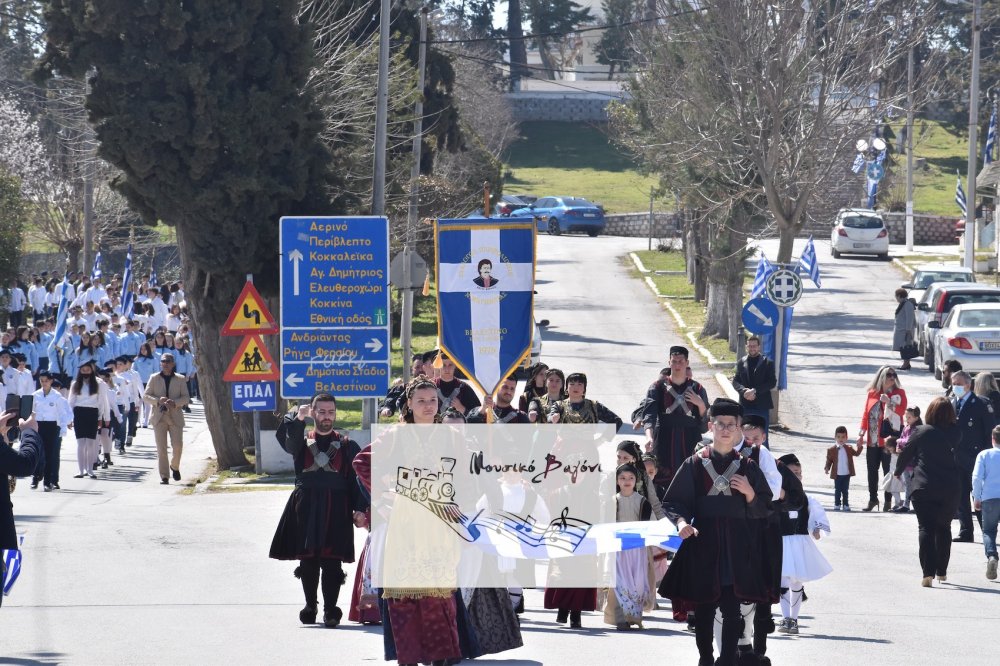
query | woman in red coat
(882,418)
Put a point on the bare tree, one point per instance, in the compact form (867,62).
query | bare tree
(774,92)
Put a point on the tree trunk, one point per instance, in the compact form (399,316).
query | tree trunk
(518,52)
(717,308)
(699,225)
(211,296)
(72,250)
(786,236)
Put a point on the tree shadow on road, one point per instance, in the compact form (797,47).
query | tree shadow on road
(551,335)
(839,321)
(37,658)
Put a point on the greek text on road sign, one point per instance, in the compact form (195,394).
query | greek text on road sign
(784,287)
(760,316)
(250,315)
(253,396)
(334,306)
(252,362)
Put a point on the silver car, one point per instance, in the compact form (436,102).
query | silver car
(937,302)
(926,275)
(970,335)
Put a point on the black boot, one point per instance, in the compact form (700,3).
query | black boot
(308,573)
(575,622)
(333,579)
(562,616)
(107,460)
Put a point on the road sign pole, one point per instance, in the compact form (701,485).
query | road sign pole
(779,345)
(256,424)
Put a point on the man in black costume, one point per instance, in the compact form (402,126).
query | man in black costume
(503,410)
(316,525)
(717,500)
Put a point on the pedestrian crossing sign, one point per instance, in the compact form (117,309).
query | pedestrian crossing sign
(250,315)
(252,362)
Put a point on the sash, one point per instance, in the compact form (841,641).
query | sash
(720,482)
(322,461)
(446,400)
(679,401)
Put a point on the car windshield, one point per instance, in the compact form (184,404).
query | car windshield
(923,280)
(862,222)
(979,319)
(577,202)
(959,299)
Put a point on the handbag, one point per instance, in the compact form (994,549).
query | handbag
(909,351)
(886,430)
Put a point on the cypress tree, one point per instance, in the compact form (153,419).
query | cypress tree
(202,105)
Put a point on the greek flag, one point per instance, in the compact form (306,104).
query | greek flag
(152,277)
(991,137)
(11,562)
(486,281)
(960,195)
(872,192)
(859,162)
(128,298)
(764,270)
(61,314)
(809,264)
(95,274)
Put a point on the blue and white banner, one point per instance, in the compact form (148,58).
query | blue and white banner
(128,297)
(960,195)
(764,270)
(809,264)
(872,192)
(95,274)
(991,137)
(486,282)
(61,314)
(859,162)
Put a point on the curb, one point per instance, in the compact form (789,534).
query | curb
(727,387)
(906,269)
(710,360)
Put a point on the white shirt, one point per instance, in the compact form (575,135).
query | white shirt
(160,312)
(10,380)
(95,294)
(86,399)
(52,407)
(25,382)
(36,294)
(842,464)
(135,386)
(17,300)
(768,467)
(121,391)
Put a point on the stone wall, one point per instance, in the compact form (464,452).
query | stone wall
(665,225)
(927,229)
(566,107)
(166,259)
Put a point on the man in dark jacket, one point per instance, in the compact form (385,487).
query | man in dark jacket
(14,463)
(754,380)
(975,421)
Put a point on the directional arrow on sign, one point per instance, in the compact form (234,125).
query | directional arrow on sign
(249,404)
(755,311)
(293,380)
(374,345)
(295,256)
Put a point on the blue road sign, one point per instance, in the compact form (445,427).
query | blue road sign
(253,396)
(334,306)
(876,171)
(760,316)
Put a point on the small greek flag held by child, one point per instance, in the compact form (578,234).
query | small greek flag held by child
(11,566)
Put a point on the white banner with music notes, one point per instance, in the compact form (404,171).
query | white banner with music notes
(499,505)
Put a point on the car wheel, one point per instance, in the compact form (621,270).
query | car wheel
(593,233)
(937,373)
(929,356)
(833,251)
(554,226)
(884,257)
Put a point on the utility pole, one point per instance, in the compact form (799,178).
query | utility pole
(909,151)
(369,405)
(88,217)
(970,207)
(406,321)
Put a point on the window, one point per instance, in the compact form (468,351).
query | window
(861,222)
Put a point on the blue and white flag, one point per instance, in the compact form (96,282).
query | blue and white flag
(881,157)
(61,314)
(991,137)
(809,264)
(11,563)
(764,270)
(960,195)
(872,192)
(152,277)
(486,282)
(859,162)
(128,298)
(95,274)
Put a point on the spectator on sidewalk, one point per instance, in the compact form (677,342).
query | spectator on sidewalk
(167,393)
(754,380)
(975,421)
(12,464)
(986,498)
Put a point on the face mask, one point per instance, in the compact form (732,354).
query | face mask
(958,391)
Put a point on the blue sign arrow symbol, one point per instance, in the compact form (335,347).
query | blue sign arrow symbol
(293,379)
(755,311)
(295,256)
(375,345)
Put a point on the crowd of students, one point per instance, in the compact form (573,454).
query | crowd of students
(91,381)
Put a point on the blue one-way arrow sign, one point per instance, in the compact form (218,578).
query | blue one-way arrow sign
(253,396)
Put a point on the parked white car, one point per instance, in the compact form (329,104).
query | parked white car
(926,275)
(970,335)
(938,301)
(859,231)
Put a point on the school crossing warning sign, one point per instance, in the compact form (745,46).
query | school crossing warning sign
(252,362)
(250,315)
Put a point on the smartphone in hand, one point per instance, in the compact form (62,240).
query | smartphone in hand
(22,404)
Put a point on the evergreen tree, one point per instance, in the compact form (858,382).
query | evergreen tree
(201,104)
(13,212)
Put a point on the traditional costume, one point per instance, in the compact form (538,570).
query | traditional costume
(508,414)
(455,388)
(634,590)
(723,564)
(317,525)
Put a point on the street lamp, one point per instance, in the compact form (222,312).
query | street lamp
(870,152)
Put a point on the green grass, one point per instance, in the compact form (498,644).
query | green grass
(576,159)
(945,153)
(677,286)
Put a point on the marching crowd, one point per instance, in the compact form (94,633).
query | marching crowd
(111,371)
(748,527)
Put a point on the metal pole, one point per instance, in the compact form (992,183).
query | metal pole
(369,405)
(909,151)
(779,343)
(257,462)
(650,247)
(970,208)
(88,218)
(406,321)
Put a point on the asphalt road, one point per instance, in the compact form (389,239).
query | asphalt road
(125,571)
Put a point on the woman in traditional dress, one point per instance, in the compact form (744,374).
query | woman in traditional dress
(633,592)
